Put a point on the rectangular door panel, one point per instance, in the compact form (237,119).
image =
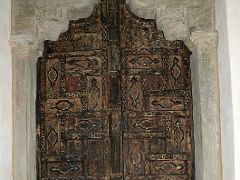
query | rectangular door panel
(74,120)
(157,115)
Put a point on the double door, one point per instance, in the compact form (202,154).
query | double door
(114,101)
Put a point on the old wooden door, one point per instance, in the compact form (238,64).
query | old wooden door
(114,101)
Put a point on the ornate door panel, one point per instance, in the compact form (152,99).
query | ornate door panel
(77,125)
(114,101)
(156,88)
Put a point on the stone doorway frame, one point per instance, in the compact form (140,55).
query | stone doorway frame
(26,48)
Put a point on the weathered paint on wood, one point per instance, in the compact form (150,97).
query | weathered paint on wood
(114,101)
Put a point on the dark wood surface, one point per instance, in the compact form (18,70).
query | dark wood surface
(114,101)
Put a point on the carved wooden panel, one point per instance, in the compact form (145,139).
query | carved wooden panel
(114,101)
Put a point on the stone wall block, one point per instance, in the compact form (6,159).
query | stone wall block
(82,3)
(174,3)
(24,90)
(146,13)
(50,29)
(23,25)
(22,9)
(79,12)
(208,69)
(201,18)
(20,100)
(20,109)
(173,22)
(51,21)
(160,3)
(142,4)
(160,13)
(206,44)
(174,30)
(38,13)
(54,14)
(22,43)
(201,3)
(57,14)
(57,3)
(180,13)
(195,75)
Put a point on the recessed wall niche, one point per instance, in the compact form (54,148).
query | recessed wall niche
(191,21)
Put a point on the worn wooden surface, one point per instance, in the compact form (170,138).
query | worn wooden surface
(114,101)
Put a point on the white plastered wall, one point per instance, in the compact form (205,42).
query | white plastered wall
(228,25)
(233,15)
(5,92)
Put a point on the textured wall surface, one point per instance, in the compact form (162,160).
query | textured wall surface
(5,92)
(34,21)
(177,18)
(234,44)
(229,43)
